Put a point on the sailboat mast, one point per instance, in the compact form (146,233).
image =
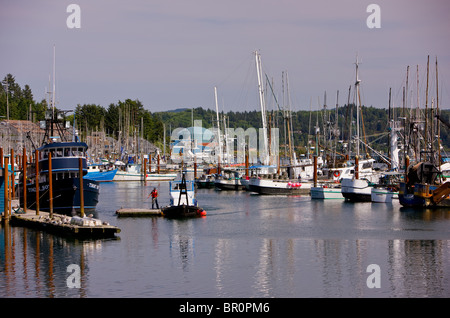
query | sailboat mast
(357,107)
(336,136)
(438,114)
(263,107)
(426,110)
(218,124)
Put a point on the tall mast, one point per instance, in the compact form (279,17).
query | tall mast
(336,136)
(289,122)
(437,113)
(263,106)
(357,106)
(426,110)
(218,124)
(54,88)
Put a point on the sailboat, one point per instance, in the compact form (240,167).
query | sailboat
(359,187)
(387,188)
(291,181)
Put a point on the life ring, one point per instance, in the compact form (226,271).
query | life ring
(337,173)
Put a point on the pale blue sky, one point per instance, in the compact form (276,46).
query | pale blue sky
(170,54)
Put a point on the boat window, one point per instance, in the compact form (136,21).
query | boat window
(52,151)
(44,154)
(59,152)
(66,152)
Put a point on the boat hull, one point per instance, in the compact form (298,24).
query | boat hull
(124,176)
(182,211)
(356,190)
(271,187)
(233,184)
(66,196)
(381,195)
(204,184)
(326,193)
(101,176)
(420,197)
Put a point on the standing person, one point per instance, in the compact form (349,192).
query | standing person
(154,195)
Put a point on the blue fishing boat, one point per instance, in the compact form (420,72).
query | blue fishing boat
(65,159)
(100,173)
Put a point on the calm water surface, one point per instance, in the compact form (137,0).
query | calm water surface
(247,246)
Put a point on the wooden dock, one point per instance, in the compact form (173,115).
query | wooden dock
(137,212)
(65,225)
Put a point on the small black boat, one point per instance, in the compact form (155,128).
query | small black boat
(182,200)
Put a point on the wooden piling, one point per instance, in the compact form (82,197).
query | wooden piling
(24,179)
(356,167)
(13,190)
(80,175)
(6,192)
(315,171)
(158,167)
(36,159)
(145,170)
(246,164)
(195,167)
(50,183)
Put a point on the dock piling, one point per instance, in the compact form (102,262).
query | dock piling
(6,194)
(24,179)
(50,183)
(80,174)
(36,159)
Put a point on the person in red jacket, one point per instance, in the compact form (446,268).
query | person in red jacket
(154,195)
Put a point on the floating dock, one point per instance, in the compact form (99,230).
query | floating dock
(137,212)
(65,225)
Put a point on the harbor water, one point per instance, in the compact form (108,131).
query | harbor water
(248,246)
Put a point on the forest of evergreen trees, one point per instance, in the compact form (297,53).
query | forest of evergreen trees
(130,117)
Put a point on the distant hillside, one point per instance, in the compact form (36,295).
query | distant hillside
(178,110)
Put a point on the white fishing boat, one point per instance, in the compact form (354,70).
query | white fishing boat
(229,180)
(356,190)
(269,185)
(387,188)
(327,191)
(383,194)
(132,172)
